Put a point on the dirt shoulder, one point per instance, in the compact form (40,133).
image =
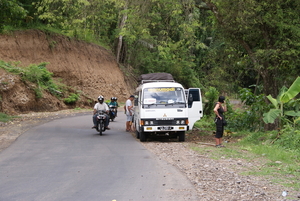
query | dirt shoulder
(214,175)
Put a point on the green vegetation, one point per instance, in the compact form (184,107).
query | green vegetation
(72,99)
(37,74)
(243,44)
(286,96)
(277,149)
(42,78)
(5,117)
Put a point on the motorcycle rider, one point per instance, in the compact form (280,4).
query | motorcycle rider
(101,105)
(113,102)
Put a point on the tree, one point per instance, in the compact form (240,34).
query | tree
(159,36)
(267,31)
(11,13)
(68,15)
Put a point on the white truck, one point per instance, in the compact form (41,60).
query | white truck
(164,108)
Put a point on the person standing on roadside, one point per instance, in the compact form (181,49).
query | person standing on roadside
(129,112)
(219,120)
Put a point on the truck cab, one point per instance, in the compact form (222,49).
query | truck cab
(165,108)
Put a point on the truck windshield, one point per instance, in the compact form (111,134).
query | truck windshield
(163,95)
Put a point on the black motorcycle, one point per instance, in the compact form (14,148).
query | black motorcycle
(112,112)
(101,118)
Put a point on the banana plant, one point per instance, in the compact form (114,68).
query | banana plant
(284,96)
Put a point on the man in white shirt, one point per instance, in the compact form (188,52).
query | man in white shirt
(129,112)
(101,106)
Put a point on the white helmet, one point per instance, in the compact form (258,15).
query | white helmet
(100,98)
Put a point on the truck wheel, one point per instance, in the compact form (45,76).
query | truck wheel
(137,128)
(143,136)
(181,136)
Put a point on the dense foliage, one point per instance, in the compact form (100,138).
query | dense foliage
(226,45)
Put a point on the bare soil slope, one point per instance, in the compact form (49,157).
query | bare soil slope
(85,67)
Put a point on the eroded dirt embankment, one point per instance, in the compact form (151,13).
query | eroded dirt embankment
(84,67)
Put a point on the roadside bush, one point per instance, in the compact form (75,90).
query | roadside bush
(250,117)
(35,73)
(42,77)
(4,117)
(73,98)
(207,123)
(288,138)
(211,96)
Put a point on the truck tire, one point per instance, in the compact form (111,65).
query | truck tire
(137,134)
(137,128)
(143,136)
(181,136)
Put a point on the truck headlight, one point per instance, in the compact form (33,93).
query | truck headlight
(182,122)
(177,122)
(146,123)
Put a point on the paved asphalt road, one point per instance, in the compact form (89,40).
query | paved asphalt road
(67,160)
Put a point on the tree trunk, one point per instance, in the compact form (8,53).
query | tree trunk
(269,82)
(120,39)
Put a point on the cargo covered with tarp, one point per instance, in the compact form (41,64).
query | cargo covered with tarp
(152,77)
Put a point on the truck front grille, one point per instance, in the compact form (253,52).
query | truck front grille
(165,122)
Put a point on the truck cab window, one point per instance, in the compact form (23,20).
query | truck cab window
(163,95)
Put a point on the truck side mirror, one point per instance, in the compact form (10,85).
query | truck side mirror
(190,100)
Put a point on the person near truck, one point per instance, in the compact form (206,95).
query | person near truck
(219,120)
(129,112)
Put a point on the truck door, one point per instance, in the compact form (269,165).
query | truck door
(194,106)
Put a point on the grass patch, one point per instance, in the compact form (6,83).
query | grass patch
(5,118)
(206,123)
(280,165)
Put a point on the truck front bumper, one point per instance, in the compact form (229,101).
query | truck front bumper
(165,128)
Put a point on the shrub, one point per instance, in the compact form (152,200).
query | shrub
(4,117)
(250,118)
(211,95)
(73,98)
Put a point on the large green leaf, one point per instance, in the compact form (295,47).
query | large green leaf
(270,116)
(273,101)
(292,113)
(292,91)
(297,120)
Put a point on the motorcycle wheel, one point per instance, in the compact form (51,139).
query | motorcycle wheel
(100,127)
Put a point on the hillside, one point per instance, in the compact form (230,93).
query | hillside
(84,67)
